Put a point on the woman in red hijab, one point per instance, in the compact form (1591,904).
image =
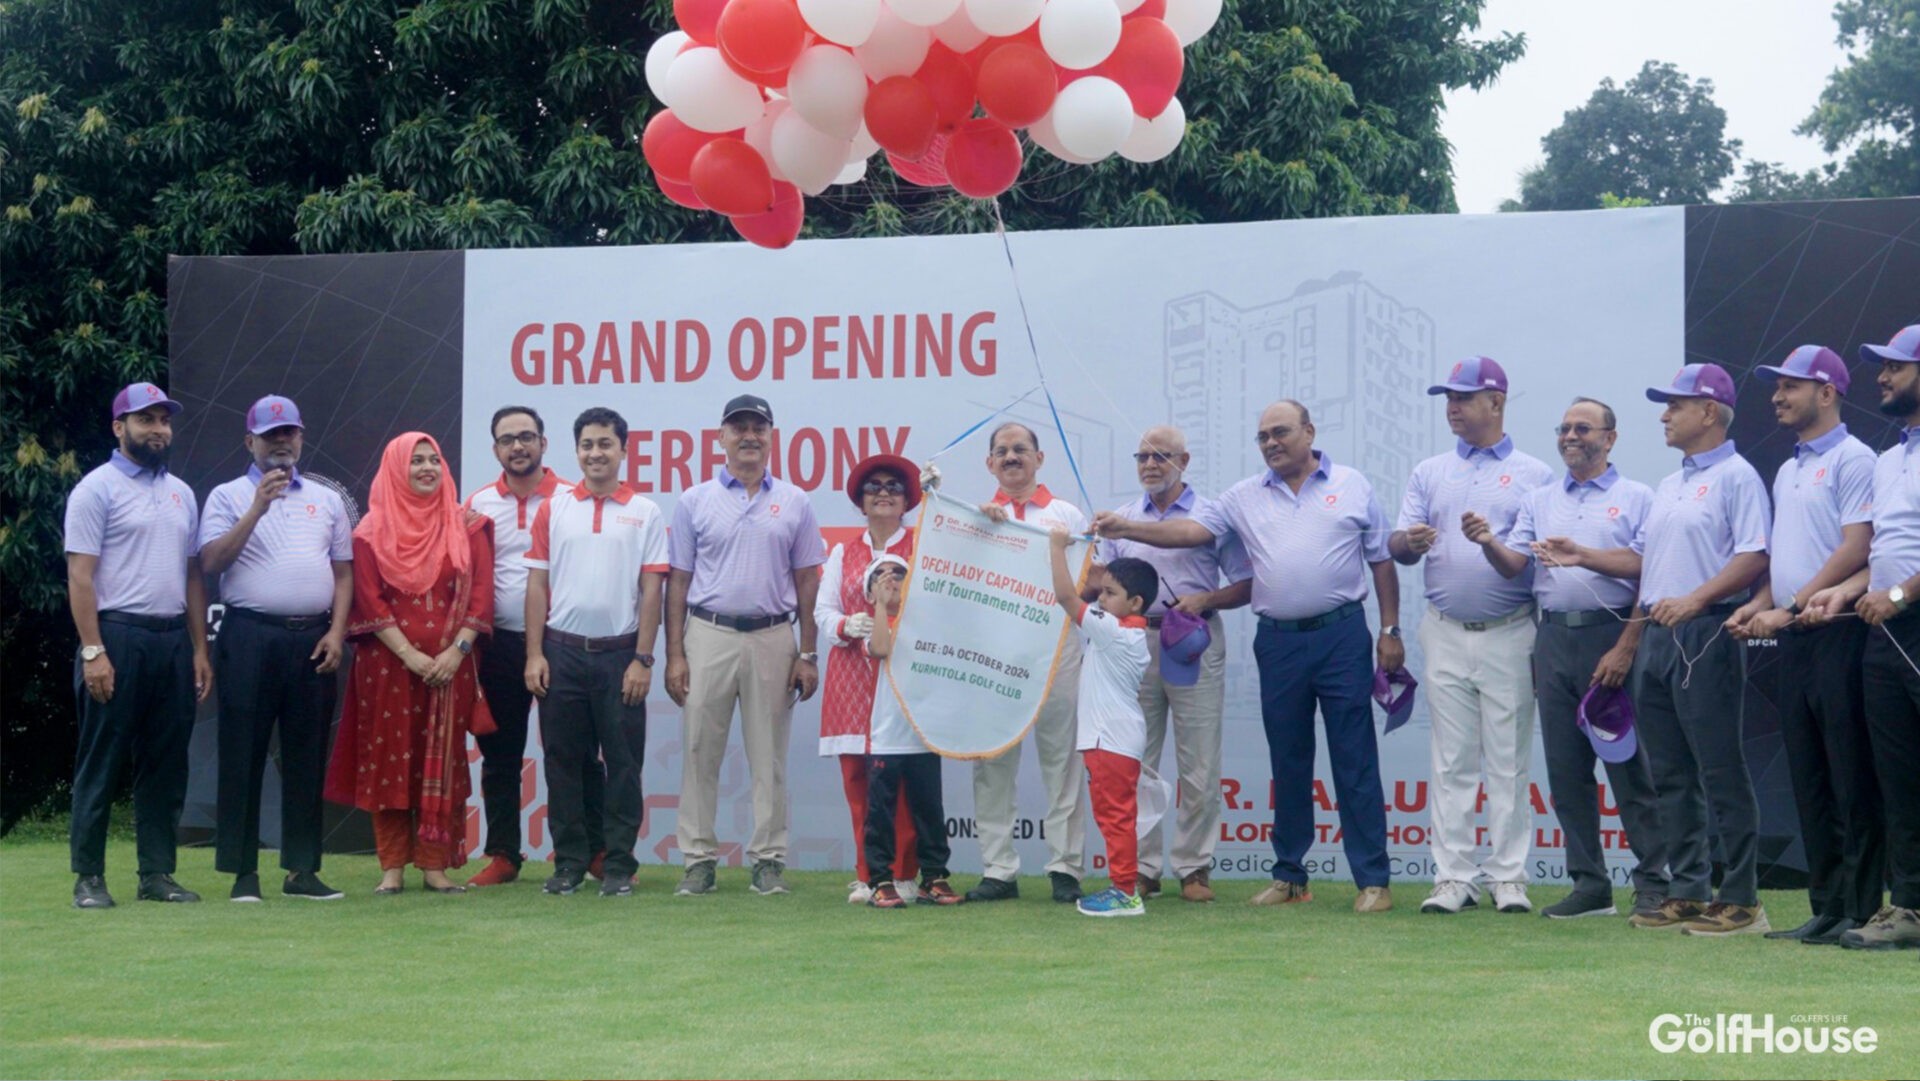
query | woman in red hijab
(422,593)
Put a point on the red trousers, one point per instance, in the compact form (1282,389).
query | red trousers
(396,836)
(906,861)
(1114,782)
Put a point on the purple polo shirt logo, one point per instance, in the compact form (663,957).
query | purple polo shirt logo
(1701,492)
(1506,479)
(1332,499)
(1613,512)
(176,498)
(773,511)
(312,511)
(1820,475)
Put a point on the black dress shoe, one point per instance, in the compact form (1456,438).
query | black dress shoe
(994,889)
(90,891)
(1831,936)
(1148,887)
(1814,925)
(1066,888)
(164,888)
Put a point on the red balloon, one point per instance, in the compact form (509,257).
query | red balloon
(763,36)
(763,79)
(1152,9)
(951,82)
(669,145)
(779,226)
(929,171)
(732,177)
(983,158)
(901,116)
(679,193)
(1147,64)
(699,18)
(1017,84)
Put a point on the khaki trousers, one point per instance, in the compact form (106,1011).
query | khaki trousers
(1195,712)
(751,669)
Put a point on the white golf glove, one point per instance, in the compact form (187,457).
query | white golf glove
(858,625)
(929,477)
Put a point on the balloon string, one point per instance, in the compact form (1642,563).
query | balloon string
(983,422)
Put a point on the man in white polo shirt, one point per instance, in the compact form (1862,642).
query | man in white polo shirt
(598,559)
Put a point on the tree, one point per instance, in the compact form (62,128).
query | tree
(1871,102)
(1660,138)
(136,129)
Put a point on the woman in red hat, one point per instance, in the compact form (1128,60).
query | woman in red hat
(885,487)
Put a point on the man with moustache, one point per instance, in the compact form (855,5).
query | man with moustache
(140,607)
(1702,549)
(1202,582)
(745,551)
(513,502)
(1587,638)
(1313,531)
(1014,458)
(594,570)
(1477,636)
(1822,530)
(283,550)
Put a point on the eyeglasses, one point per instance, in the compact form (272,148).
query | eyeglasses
(883,487)
(1145,456)
(525,439)
(1581,430)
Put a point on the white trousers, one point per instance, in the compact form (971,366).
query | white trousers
(1479,687)
(994,798)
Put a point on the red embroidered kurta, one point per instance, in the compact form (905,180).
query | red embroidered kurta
(846,701)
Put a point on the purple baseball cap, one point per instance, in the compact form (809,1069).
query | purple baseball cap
(1905,347)
(1815,362)
(273,411)
(1473,374)
(135,397)
(1697,381)
(1394,691)
(1606,716)
(1183,638)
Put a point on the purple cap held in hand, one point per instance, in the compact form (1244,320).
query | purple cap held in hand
(273,411)
(1697,381)
(1905,348)
(1606,716)
(1814,362)
(1183,638)
(1394,691)
(135,397)
(1471,375)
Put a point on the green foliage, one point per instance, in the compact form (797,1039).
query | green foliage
(1870,104)
(1610,201)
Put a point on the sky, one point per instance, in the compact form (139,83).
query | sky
(1768,60)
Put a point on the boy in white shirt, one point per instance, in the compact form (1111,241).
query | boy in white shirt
(1112,730)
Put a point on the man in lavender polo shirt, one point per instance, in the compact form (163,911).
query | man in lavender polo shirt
(283,550)
(1202,582)
(1703,548)
(140,607)
(1822,530)
(1313,531)
(1477,637)
(745,553)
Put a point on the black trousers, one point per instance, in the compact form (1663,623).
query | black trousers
(1823,723)
(1563,662)
(582,716)
(266,677)
(1893,726)
(150,720)
(920,773)
(503,755)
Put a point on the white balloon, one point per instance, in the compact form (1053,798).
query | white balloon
(660,57)
(1092,116)
(828,88)
(1004,18)
(810,158)
(853,173)
(843,22)
(924,12)
(864,144)
(1154,139)
(1042,134)
(1077,34)
(1128,7)
(759,134)
(709,96)
(959,34)
(1191,19)
(897,47)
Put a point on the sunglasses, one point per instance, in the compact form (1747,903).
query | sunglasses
(883,487)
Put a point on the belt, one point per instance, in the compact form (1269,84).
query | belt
(1314,623)
(738,623)
(1156,621)
(291,623)
(1591,617)
(593,645)
(1523,612)
(146,623)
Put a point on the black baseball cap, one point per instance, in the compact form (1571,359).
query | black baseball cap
(748,403)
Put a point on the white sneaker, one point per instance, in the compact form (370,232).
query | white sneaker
(1511,897)
(1450,897)
(909,889)
(859,893)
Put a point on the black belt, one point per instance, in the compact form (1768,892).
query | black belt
(744,624)
(291,623)
(1591,617)
(593,645)
(1155,621)
(147,623)
(1345,611)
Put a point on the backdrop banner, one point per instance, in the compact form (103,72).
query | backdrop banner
(901,345)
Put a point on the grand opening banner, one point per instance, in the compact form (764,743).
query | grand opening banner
(898,346)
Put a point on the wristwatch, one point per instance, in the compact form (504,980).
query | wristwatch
(1390,631)
(810,658)
(645,659)
(1899,598)
(92,653)
(465,647)
(1793,606)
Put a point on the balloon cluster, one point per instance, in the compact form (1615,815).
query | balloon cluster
(769,101)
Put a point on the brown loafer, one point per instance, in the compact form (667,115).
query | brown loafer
(1373,899)
(1194,887)
(1283,893)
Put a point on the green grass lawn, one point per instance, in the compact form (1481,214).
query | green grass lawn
(510,983)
